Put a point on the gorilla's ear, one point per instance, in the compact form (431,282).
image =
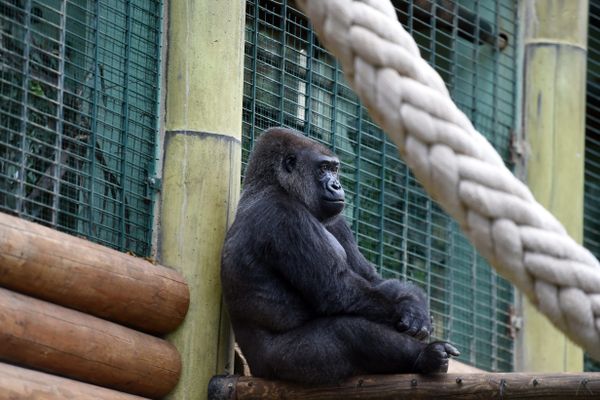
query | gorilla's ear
(289,163)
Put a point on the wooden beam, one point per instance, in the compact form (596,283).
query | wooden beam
(79,274)
(51,338)
(506,386)
(24,384)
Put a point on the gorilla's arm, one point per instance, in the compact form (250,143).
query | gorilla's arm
(358,263)
(411,299)
(299,248)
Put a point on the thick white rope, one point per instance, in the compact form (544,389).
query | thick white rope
(458,167)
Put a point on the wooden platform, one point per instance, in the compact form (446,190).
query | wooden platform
(503,386)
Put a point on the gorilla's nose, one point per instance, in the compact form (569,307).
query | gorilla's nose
(334,185)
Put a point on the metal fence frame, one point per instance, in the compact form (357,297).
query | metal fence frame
(79,95)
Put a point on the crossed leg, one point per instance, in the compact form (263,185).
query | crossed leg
(331,349)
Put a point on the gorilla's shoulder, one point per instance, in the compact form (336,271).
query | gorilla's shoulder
(270,203)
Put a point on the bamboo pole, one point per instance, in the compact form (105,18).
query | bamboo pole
(79,274)
(24,384)
(44,336)
(505,386)
(555,54)
(201,174)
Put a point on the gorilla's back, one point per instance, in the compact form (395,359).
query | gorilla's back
(268,302)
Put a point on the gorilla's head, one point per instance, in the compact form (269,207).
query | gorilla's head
(303,168)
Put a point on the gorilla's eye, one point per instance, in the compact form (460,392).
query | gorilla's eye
(290,162)
(328,167)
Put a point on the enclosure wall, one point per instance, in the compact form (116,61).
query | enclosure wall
(591,217)
(79,88)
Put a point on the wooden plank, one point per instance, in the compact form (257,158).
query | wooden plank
(24,384)
(85,276)
(504,386)
(51,338)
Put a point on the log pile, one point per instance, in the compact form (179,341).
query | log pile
(22,383)
(79,310)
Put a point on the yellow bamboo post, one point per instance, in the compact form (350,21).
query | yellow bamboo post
(201,173)
(555,50)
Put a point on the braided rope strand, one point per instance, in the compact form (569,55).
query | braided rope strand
(458,167)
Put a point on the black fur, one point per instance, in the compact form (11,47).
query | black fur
(305,305)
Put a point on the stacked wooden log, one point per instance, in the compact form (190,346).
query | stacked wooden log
(86,313)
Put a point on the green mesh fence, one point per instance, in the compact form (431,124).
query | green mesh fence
(291,80)
(78,116)
(591,218)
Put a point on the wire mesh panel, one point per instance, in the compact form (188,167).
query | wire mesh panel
(291,80)
(591,218)
(78,116)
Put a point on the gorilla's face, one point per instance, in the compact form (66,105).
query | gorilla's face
(309,173)
(331,193)
(317,184)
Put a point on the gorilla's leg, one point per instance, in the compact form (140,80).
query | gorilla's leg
(331,349)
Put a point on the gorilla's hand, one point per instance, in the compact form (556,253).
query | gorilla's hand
(434,358)
(411,314)
(414,319)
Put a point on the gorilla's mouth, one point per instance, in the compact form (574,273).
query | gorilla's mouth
(333,201)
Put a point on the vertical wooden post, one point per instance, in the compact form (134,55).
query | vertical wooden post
(201,173)
(555,50)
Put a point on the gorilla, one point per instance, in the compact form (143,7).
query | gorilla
(305,305)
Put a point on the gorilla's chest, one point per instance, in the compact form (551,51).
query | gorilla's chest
(337,248)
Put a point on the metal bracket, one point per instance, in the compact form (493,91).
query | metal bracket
(154,183)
